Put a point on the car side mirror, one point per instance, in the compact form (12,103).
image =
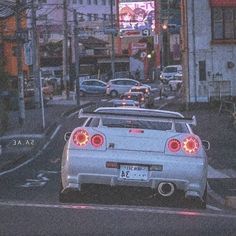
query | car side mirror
(67,136)
(206,145)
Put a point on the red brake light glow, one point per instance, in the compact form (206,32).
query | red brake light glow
(174,145)
(190,145)
(97,140)
(81,137)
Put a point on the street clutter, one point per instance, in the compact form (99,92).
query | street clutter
(17,143)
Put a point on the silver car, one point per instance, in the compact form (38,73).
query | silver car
(135,147)
(119,86)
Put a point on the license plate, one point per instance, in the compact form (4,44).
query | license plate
(133,172)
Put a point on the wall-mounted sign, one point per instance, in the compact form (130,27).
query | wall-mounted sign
(139,16)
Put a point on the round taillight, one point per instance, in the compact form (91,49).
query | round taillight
(190,145)
(97,140)
(81,137)
(174,145)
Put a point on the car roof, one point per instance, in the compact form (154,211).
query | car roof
(133,93)
(124,100)
(122,79)
(93,80)
(140,87)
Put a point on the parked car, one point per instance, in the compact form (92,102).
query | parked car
(92,86)
(116,87)
(124,103)
(127,146)
(47,90)
(176,82)
(169,72)
(149,97)
(136,96)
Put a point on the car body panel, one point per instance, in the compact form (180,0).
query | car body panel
(170,71)
(134,147)
(93,86)
(121,85)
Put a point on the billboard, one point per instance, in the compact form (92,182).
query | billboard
(137,16)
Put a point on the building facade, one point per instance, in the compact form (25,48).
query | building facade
(209,49)
(8,45)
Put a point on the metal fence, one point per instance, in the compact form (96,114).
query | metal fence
(219,90)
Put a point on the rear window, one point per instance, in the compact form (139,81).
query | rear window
(141,124)
(170,69)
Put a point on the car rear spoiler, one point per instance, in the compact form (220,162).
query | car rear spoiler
(125,116)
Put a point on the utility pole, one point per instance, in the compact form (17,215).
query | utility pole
(35,61)
(19,64)
(112,42)
(38,94)
(76,48)
(65,50)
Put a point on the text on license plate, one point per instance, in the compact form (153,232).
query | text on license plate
(133,172)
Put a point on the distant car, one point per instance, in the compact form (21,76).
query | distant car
(124,103)
(47,90)
(149,97)
(176,82)
(135,147)
(116,87)
(92,86)
(169,72)
(136,96)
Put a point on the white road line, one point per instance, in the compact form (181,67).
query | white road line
(55,132)
(72,114)
(213,208)
(182,212)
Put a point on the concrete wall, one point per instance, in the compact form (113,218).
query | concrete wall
(201,48)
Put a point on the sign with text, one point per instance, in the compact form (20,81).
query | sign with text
(137,16)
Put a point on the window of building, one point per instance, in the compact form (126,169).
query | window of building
(95,17)
(223,23)
(74,1)
(81,2)
(202,70)
(104,16)
(95,2)
(89,2)
(89,17)
(103,2)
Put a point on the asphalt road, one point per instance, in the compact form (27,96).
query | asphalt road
(29,205)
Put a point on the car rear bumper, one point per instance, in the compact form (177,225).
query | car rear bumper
(186,175)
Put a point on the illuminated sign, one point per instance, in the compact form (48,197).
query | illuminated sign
(139,16)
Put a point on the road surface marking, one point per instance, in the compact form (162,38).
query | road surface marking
(181,212)
(216,174)
(213,208)
(55,132)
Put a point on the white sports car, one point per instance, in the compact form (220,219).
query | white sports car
(129,146)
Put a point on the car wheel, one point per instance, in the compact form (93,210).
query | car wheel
(199,203)
(67,196)
(114,93)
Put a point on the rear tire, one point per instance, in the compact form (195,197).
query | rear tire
(199,203)
(114,93)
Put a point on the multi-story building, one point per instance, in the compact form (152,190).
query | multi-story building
(209,49)
(94,17)
(8,45)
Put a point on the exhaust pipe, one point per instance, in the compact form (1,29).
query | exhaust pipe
(166,189)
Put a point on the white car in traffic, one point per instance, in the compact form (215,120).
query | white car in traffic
(128,146)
